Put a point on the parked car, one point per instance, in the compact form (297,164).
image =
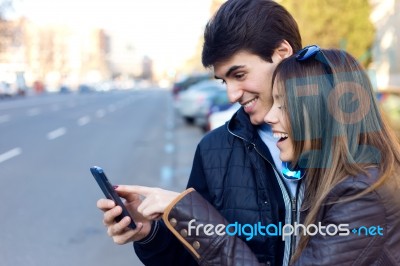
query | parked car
(84,88)
(218,118)
(194,103)
(188,81)
(220,103)
(64,89)
(12,84)
(12,80)
(5,89)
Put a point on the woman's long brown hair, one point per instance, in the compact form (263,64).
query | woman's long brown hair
(331,104)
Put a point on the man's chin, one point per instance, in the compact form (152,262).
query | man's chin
(256,120)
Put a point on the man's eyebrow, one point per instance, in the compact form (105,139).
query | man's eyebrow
(230,70)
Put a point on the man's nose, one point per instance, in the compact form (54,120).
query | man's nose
(234,93)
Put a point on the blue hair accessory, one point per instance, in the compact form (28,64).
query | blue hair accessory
(291,174)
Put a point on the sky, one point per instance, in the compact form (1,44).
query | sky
(165,30)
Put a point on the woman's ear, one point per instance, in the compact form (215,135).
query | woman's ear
(284,49)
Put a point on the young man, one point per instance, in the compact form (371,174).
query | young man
(236,167)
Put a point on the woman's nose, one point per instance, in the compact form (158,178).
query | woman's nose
(270,117)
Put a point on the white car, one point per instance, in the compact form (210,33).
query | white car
(194,103)
(217,119)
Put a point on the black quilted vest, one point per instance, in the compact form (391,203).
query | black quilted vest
(232,170)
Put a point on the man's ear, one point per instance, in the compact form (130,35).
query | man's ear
(284,49)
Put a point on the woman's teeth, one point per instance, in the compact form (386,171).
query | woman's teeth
(280,135)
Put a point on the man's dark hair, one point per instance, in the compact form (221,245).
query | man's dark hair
(256,26)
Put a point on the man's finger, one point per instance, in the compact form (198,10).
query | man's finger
(120,228)
(109,216)
(105,204)
(128,235)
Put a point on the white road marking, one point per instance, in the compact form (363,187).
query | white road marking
(56,133)
(4,118)
(83,120)
(10,154)
(169,148)
(166,175)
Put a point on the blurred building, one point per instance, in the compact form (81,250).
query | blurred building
(124,58)
(12,67)
(386,49)
(147,69)
(55,54)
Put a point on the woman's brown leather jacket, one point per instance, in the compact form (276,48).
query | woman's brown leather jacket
(373,223)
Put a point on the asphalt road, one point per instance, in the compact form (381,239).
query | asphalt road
(47,194)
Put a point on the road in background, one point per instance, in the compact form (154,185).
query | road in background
(48,196)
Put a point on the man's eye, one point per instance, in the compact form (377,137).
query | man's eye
(239,75)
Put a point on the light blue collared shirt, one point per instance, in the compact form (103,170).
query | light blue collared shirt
(265,133)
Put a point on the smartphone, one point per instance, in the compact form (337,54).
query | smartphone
(109,192)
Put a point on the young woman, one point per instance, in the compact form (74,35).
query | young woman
(333,136)
(328,123)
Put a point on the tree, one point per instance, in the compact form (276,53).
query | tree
(343,24)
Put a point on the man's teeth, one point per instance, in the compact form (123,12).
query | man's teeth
(280,135)
(249,103)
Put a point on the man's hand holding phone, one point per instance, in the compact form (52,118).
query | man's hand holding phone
(120,217)
(145,204)
(121,231)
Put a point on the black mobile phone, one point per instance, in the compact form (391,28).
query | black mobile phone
(109,192)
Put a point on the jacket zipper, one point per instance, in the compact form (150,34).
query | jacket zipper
(293,200)
(294,217)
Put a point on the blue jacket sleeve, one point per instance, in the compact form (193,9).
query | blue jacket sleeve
(162,248)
